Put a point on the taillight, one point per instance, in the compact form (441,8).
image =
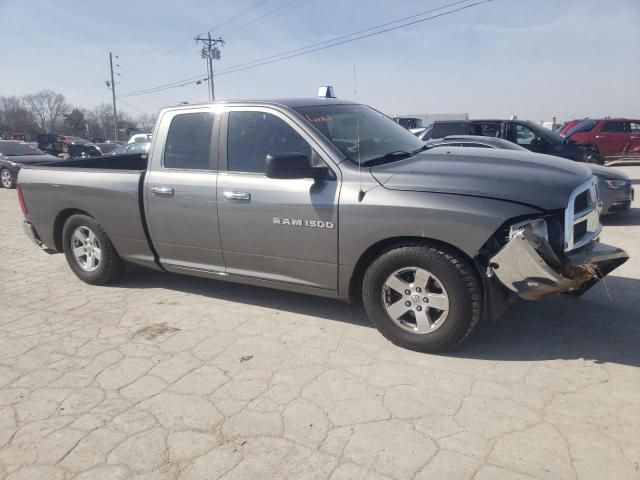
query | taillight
(23,206)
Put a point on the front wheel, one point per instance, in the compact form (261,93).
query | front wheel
(421,297)
(6,179)
(89,251)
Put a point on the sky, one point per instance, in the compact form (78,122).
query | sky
(532,58)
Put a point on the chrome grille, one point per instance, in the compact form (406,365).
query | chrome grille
(582,216)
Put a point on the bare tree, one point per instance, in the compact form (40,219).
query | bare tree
(146,122)
(15,117)
(47,107)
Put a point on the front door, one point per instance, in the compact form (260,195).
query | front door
(180,193)
(527,138)
(278,230)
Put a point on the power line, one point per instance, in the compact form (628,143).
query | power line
(138,81)
(270,13)
(195,80)
(133,106)
(186,45)
(369,29)
(237,15)
(306,52)
(326,44)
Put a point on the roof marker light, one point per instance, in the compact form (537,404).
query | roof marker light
(326,92)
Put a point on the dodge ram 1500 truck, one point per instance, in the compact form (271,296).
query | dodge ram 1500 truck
(331,198)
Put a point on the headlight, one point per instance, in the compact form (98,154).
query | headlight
(616,184)
(537,226)
(13,164)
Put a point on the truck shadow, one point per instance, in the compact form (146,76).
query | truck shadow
(602,326)
(595,327)
(137,277)
(630,217)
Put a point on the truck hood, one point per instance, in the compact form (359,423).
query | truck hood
(540,181)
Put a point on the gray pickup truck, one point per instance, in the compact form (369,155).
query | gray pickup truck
(330,198)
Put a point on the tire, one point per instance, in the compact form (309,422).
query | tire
(96,262)
(6,179)
(452,284)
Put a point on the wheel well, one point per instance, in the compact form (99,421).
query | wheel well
(377,249)
(58,225)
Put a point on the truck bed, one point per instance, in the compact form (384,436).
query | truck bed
(136,161)
(107,188)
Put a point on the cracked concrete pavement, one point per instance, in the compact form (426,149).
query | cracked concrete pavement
(171,377)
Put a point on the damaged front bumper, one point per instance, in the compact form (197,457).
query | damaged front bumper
(528,266)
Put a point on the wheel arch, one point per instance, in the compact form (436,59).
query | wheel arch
(378,248)
(59,222)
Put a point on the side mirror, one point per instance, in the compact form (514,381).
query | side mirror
(292,165)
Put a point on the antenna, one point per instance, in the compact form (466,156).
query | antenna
(355,95)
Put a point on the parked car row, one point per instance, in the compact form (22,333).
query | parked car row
(526,134)
(16,154)
(13,155)
(69,147)
(590,141)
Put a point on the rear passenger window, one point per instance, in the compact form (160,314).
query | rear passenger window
(254,135)
(490,130)
(616,127)
(188,145)
(444,129)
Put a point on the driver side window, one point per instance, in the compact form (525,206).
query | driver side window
(524,136)
(254,135)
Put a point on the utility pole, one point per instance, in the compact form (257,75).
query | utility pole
(113,96)
(210,52)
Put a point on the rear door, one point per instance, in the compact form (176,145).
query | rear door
(274,229)
(613,137)
(180,192)
(633,148)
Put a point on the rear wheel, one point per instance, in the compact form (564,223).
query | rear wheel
(6,179)
(89,251)
(423,298)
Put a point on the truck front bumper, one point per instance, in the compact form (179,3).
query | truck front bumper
(527,266)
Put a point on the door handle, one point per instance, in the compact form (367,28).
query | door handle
(162,191)
(237,195)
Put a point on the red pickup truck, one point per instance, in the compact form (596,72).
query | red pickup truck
(615,138)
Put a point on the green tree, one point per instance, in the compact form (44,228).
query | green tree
(75,124)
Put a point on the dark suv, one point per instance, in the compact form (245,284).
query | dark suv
(526,134)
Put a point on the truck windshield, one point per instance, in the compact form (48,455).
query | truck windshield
(361,133)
